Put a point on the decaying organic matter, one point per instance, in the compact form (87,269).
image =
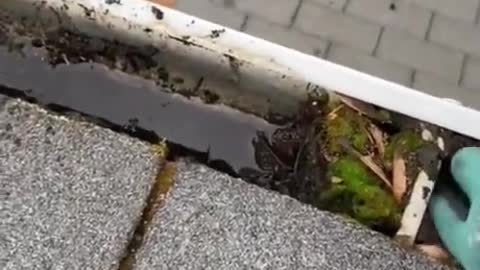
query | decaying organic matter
(353,159)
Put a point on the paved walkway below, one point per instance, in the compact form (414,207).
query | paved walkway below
(430,45)
(72,194)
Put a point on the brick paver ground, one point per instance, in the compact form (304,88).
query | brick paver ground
(430,45)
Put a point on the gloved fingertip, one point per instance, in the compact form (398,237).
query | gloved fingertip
(447,211)
(465,170)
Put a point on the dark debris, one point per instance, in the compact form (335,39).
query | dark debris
(110,2)
(157,12)
(217,33)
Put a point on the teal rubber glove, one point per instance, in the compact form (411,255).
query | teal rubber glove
(456,209)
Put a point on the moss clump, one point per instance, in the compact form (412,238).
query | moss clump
(348,125)
(355,191)
(163,181)
(165,176)
(160,149)
(405,142)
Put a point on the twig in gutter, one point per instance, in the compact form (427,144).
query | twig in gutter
(333,114)
(378,138)
(370,163)
(358,106)
(365,109)
(399,176)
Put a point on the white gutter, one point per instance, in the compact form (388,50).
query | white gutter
(343,80)
(125,20)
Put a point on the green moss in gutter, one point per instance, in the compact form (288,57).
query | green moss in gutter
(357,192)
(407,141)
(348,125)
(163,181)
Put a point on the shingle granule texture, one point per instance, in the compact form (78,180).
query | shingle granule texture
(71,192)
(213,221)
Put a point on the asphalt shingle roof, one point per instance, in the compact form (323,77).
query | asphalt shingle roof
(70,192)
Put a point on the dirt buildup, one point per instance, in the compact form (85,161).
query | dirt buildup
(289,160)
(64,47)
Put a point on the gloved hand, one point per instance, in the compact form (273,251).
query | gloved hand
(456,213)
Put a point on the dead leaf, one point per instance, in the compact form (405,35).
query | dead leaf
(370,138)
(352,103)
(363,108)
(370,163)
(357,105)
(399,176)
(435,252)
(377,136)
(167,3)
